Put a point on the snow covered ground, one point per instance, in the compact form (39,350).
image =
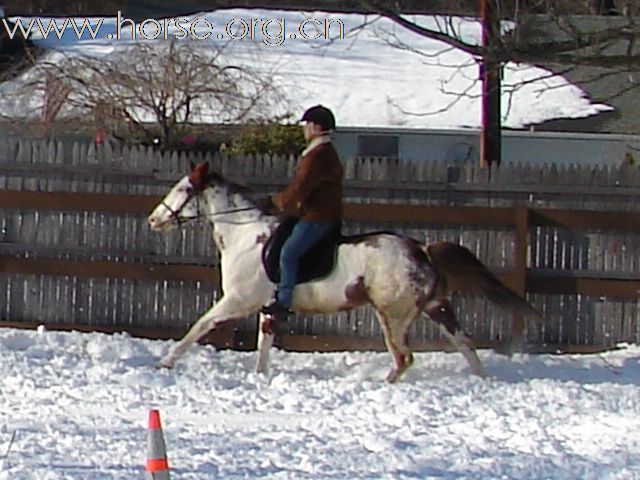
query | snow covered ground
(364,78)
(75,406)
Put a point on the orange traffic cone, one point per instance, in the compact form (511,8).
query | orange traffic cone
(157,464)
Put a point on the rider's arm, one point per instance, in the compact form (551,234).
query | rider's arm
(309,175)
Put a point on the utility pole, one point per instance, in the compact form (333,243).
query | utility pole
(490,73)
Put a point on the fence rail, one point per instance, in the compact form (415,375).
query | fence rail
(75,250)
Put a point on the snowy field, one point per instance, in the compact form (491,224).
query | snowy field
(75,406)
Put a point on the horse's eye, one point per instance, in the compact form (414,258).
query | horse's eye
(190,191)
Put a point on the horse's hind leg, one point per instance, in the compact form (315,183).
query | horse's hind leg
(265,341)
(395,338)
(440,311)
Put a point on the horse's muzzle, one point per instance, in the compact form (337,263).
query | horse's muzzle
(158,225)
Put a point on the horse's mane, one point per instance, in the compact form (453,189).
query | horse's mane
(245,191)
(240,189)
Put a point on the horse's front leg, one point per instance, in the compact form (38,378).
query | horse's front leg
(228,308)
(266,335)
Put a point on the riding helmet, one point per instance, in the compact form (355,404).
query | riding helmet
(320,115)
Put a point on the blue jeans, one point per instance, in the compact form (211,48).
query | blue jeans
(305,235)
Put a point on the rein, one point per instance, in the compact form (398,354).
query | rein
(175,214)
(225,212)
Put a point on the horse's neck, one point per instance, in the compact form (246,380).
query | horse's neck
(236,231)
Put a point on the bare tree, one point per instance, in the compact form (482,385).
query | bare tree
(569,15)
(16,53)
(591,43)
(571,33)
(153,91)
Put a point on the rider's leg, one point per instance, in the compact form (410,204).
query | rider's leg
(304,235)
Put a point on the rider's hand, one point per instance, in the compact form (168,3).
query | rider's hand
(266,205)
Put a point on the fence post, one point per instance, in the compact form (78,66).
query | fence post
(519,285)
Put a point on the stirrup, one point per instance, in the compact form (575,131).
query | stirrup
(274,309)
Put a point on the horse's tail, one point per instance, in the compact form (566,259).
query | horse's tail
(462,271)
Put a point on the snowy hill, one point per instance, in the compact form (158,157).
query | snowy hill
(364,78)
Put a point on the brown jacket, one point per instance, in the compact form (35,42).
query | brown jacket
(315,193)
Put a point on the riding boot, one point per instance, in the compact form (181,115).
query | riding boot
(277,311)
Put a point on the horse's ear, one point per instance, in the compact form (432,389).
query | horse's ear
(198,176)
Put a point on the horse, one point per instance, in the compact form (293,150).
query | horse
(399,276)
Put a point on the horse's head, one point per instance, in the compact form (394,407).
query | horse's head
(182,202)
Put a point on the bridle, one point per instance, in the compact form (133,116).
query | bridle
(195,193)
(175,214)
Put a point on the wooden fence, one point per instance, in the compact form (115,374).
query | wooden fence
(75,251)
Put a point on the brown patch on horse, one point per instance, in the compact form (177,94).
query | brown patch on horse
(268,326)
(422,273)
(442,313)
(356,294)
(200,176)
(262,239)
(414,251)
(219,240)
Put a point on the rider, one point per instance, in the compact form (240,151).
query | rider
(314,196)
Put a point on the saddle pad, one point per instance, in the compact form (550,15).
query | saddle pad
(317,263)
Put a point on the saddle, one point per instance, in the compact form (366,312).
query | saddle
(317,263)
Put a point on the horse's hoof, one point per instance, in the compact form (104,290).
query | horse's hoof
(396,373)
(393,376)
(165,364)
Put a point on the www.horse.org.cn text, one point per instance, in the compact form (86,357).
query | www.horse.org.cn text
(271,32)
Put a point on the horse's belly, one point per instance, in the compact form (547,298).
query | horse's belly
(332,294)
(387,272)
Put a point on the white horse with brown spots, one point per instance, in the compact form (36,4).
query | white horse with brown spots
(400,277)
